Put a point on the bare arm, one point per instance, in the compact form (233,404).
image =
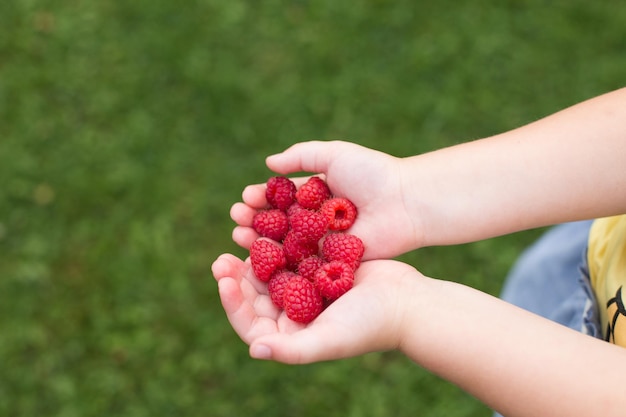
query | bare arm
(517,363)
(568,166)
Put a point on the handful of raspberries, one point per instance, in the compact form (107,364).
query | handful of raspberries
(304,254)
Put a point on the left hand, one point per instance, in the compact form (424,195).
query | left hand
(367,318)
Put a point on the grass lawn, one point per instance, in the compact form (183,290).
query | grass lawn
(127,129)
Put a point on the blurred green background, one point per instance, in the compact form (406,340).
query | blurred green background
(127,129)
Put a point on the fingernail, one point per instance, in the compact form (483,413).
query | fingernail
(261,352)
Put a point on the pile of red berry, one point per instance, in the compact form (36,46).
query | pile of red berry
(304,253)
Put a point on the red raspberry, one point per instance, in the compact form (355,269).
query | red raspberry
(293,209)
(334,279)
(309,266)
(273,224)
(343,247)
(340,213)
(296,250)
(303,302)
(266,257)
(302,279)
(276,287)
(313,193)
(280,192)
(308,225)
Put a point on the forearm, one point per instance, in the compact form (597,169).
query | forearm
(568,166)
(512,360)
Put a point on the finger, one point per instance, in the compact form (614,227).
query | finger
(242,214)
(227,265)
(254,196)
(248,307)
(241,313)
(314,156)
(239,310)
(233,299)
(244,236)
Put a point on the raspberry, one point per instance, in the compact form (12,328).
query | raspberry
(293,209)
(266,257)
(276,287)
(308,225)
(340,213)
(273,224)
(302,302)
(343,247)
(334,279)
(309,266)
(280,192)
(296,250)
(313,193)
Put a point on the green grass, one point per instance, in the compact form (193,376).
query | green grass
(127,129)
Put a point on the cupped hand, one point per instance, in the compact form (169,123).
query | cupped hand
(367,318)
(372,180)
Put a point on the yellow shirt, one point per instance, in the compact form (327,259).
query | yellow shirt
(607,268)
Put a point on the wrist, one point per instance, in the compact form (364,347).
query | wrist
(421,297)
(414,194)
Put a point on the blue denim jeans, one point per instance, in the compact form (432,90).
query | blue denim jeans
(551,279)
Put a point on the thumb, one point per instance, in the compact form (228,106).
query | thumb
(314,156)
(312,344)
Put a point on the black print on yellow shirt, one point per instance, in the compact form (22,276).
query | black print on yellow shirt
(616,326)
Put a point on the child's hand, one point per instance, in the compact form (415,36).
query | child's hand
(372,180)
(367,318)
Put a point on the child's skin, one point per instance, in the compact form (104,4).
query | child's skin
(569,166)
